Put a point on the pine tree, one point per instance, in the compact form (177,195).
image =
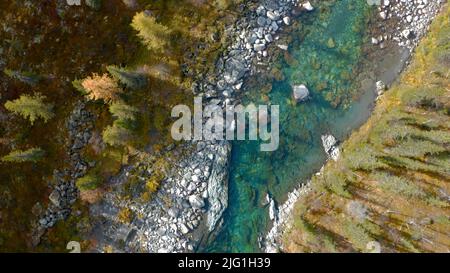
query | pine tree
(116,135)
(78,85)
(123,111)
(25,77)
(128,78)
(101,88)
(30,155)
(154,35)
(31,107)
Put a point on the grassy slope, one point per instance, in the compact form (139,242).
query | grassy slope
(391,184)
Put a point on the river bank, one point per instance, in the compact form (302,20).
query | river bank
(399,14)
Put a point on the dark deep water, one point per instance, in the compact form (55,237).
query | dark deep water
(326,58)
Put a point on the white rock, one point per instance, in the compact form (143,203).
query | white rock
(196,201)
(300,92)
(272,210)
(283,47)
(184,229)
(73,2)
(307,5)
(273,15)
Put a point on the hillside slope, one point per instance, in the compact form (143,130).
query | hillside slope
(390,187)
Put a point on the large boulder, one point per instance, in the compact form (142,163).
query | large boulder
(218,187)
(300,93)
(307,6)
(196,201)
(55,198)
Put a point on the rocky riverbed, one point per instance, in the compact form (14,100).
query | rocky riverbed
(64,191)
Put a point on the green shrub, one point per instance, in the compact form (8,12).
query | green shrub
(88,182)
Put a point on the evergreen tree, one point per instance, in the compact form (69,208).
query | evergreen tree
(123,111)
(25,77)
(116,135)
(154,35)
(101,88)
(31,107)
(128,78)
(30,155)
(78,85)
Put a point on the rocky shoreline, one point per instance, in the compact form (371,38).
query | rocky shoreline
(406,22)
(410,21)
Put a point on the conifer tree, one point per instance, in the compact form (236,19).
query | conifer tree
(116,135)
(123,111)
(25,77)
(101,88)
(128,78)
(30,155)
(78,85)
(31,107)
(153,34)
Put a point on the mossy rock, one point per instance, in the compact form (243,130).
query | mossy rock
(88,182)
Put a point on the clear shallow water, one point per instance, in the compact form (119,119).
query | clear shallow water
(326,57)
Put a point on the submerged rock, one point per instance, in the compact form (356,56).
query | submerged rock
(307,6)
(300,93)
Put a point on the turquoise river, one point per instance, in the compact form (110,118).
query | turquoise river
(326,51)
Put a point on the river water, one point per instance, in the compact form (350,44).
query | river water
(327,54)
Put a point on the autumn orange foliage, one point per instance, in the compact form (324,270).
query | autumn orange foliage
(101,88)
